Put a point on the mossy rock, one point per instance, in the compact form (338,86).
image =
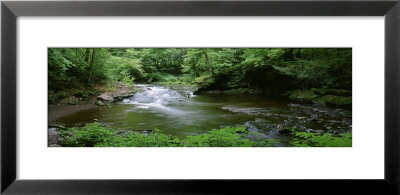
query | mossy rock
(99,103)
(238,91)
(243,91)
(303,95)
(336,101)
(338,92)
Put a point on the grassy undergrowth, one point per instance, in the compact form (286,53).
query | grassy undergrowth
(96,135)
(304,139)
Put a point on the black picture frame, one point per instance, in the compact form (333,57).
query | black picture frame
(10,10)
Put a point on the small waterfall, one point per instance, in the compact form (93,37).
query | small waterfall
(158,97)
(155,94)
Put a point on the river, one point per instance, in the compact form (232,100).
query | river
(176,111)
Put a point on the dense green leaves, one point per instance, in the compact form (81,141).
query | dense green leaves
(272,70)
(304,139)
(96,135)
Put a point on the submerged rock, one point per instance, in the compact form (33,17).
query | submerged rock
(56,126)
(283,130)
(145,131)
(314,131)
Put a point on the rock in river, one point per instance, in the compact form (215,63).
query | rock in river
(283,130)
(314,131)
(105,97)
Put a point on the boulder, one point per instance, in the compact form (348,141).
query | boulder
(105,97)
(121,96)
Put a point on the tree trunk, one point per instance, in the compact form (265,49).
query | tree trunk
(208,62)
(91,65)
(87,55)
(288,55)
(312,54)
(298,55)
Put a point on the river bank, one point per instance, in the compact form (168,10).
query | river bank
(58,111)
(66,107)
(71,104)
(337,98)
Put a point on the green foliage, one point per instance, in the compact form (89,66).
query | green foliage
(226,137)
(84,94)
(118,67)
(329,97)
(237,91)
(339,92)
(87,136)
(204,80)
(162,77)
(303,95)
(332,100)
(74,71)
(304,139)
(96,135)
(137,139)
(128,80)
(271,70)
(110,86)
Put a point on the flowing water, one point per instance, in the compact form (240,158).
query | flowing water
(176,111)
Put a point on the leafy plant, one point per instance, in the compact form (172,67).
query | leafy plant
(128,80)
(226,137)
(96,135)
(304,139)
(87,136)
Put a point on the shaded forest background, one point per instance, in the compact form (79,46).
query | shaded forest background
(84,72)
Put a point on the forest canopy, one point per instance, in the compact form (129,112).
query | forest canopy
(271,70)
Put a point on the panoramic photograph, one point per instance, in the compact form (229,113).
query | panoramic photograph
(199,97)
